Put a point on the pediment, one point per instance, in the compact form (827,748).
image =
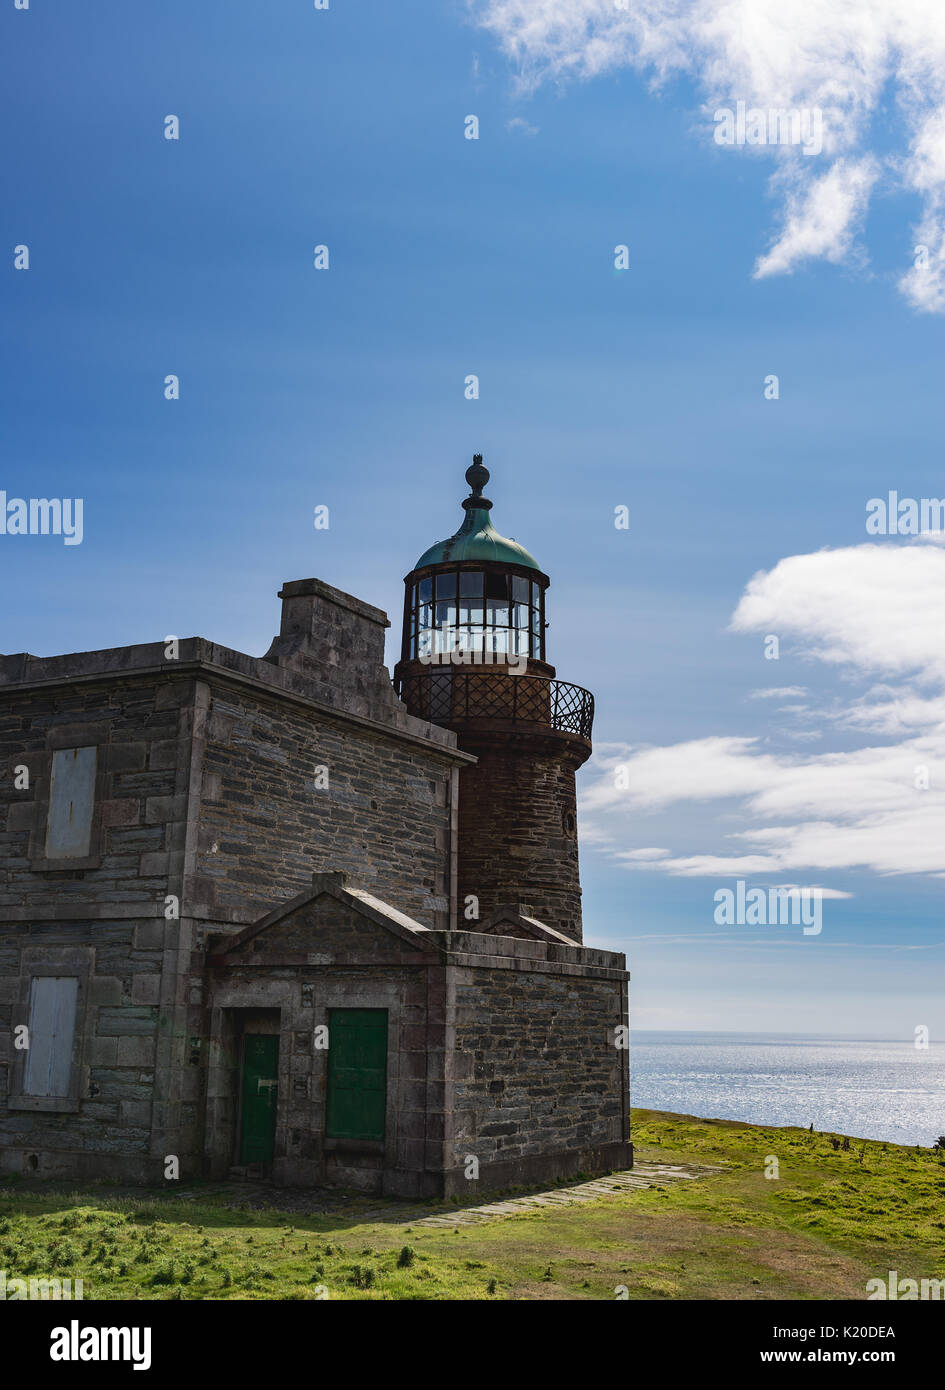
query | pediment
(517,919)
(330,923)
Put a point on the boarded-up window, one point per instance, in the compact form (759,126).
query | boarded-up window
(53,1001)
(71,798)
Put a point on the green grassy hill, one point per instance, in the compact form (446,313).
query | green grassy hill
(831,1220)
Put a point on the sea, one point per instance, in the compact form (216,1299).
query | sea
(872,1089)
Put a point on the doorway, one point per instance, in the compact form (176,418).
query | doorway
(259,1097)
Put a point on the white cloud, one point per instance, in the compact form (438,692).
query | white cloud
(823,216)
(778,692)
(885,710)
(519,123)
(824,893)
(867,609)
(841,57)
(870,607)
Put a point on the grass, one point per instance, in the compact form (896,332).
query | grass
(828,1222)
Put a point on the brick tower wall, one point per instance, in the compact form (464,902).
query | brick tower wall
(518,829)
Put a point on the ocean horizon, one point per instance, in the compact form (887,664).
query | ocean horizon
(866,1087)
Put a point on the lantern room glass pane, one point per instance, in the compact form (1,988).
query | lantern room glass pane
(520,616)
(470,610)
(470,584)
(446,613)
(446,586)
(426,590)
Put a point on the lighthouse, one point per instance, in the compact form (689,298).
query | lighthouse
(474,659)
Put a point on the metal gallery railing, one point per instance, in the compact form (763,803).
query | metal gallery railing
(447,697)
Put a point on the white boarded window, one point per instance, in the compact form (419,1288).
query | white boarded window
(71,799)
(53,1000)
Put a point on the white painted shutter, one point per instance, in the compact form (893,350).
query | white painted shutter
(53,1001)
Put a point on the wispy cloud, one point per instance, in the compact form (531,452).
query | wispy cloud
(519,123)
(843,58)
(867,610)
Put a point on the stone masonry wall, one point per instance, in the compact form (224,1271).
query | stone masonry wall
(109,1132)
(136,1099)
(516,842)
(141,729)
(536,1068)
(267,823)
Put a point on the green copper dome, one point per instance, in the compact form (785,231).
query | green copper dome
(477,538)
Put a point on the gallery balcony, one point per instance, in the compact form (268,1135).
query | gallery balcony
(497,699)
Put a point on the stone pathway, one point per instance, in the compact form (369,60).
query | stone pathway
(311,1201)
(642,1176)
(361,1209)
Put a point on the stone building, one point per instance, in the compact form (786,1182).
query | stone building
(279,916)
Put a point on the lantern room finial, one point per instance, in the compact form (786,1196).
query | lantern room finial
(477,539)
(477,476)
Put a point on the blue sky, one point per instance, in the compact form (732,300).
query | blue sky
(598,388)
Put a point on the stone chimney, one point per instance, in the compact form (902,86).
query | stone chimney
(337,643)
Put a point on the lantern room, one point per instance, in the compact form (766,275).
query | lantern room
(477,594)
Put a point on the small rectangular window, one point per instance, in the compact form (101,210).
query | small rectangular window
(53,1000)
(71,801)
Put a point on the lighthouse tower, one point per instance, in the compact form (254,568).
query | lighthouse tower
(473,659)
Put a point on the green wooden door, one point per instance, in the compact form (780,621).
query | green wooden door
(260,1093)
(357,1074)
